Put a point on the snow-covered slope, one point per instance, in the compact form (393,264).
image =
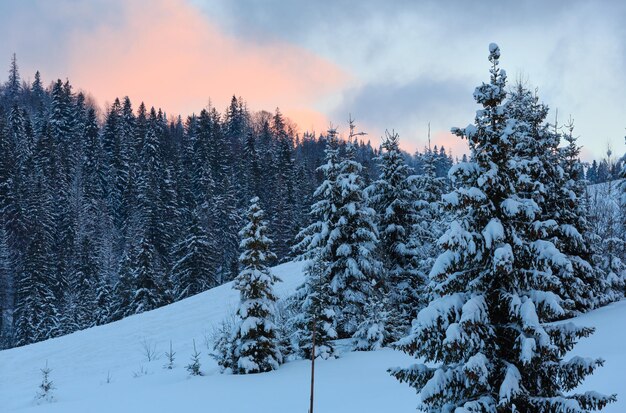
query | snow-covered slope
(357,382)
(610,189)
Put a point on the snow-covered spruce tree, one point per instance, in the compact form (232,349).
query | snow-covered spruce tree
(44,394)
(103,304)
(393,197)
(317,316)
(147,292)
(170,356)
(314,238)
(430,218)
(194,270)
(13,87)
(6,291)
(84,286)
(225,343)
(543,178)
(61,164)
(484,335)
(194,365)
(257,348)
(284,204)
(123,289)
(353,268)
(150,195)
(285,332)
(36,314)
(591,250)
(623,194)
(373,333)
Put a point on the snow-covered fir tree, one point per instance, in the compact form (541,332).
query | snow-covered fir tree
(194,364)
(284,204)
(147,289)
(255,337)
(195,268)
(544,180)
(46,387)
(394,197)
(224,343)
(37,308)
(353,268)
(317,316)
(123,289)
(597,279)
(316,320)
(430,219)
(13,85)
(7,279)
(484,335)
(623,194)
(103,304)
(373,332)
(315,236)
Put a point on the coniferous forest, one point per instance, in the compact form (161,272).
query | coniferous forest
(108,212)
(466,264)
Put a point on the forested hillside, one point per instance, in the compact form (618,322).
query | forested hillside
(108,212)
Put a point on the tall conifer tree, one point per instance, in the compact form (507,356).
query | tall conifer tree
(195,268)
(256,340)
(353,267)
(485,333)
(317,315)
(394,196)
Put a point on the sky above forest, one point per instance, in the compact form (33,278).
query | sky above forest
(391,65)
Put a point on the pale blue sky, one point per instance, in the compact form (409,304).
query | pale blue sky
(408,62)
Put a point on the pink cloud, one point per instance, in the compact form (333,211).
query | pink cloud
(308,119)
(169,55)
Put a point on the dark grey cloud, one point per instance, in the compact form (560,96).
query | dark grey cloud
(404,52)
(408,107)
(302,19)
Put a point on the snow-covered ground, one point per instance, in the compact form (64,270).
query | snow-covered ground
(357,382)
(610,189)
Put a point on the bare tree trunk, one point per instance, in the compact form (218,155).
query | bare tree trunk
(313,364)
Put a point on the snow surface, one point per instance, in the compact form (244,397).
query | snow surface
(81,362)
(356,382)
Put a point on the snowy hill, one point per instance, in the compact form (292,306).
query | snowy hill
(357,382)
(610,189)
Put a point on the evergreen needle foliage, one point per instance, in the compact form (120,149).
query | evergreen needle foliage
(194,366)
(486,334)
(46,387)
